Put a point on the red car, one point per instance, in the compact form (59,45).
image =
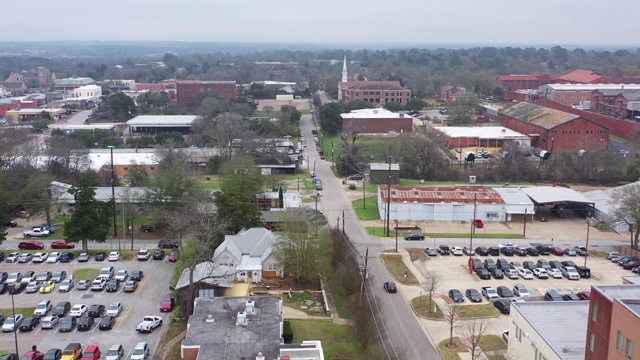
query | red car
(31,245)
(92,352)
(173,257)
(167,304)
(478,223)
(33,355)
(61,244)
(556,251)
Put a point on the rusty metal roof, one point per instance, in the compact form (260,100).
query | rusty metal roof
(537,115)
(442,194)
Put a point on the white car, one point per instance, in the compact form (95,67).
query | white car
(507,244)
(511,274)
(28,277)
(114,256)
(98,284)
(53,257)
(78,310)
(541,273)
(43,308)
(33,287)
(12,323)
(456,250)
(66,285)
(50,322)
(555,273)
(570,273)
(83,284)
(114,309)
(140,352)
(525,273)
(14,278)
(520,290)
(40,257)
(122,275)
(12,257)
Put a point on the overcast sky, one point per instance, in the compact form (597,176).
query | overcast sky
(481,22)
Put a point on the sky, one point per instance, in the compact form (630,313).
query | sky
(468,22)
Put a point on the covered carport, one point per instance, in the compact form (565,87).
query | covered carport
(559,201)
(153,124)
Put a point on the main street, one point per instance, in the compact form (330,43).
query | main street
(401,334)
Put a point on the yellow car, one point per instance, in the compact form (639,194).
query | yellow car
(47,287)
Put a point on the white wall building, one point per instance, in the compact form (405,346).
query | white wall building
(454,203)
(548,330)
(88,92)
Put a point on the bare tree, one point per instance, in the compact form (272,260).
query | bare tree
(474,330)
(626,207)
(351,132)
(434,281)
(11,142)
(67,156)
(226,128)
(451,318)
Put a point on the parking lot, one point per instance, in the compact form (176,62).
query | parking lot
(144,301)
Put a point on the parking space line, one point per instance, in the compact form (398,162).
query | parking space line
(95,326)
(128,354)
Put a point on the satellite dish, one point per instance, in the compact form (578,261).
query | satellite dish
(581,152)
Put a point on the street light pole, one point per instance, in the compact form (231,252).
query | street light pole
(15,329)
(113,197)
(473,224)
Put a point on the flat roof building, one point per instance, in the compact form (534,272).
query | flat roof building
(15,116)
(157,123)
(482,136)
(370,121)
(69,84)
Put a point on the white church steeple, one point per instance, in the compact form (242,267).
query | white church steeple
(345,77)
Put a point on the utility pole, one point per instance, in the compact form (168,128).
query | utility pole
(473,225)
(389,197)
(338,223)
(48,208)
(343,231)
(396,235)
(586,245)
(524,230)
(364,199)
(317,196)
(113,195)
(332,163)
(364,273)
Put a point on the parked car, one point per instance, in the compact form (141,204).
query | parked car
(503,264)
(570,297)
(543,250)
(101,256)
(25,258)
(84,257)
(570,252)
(556,264)
(497,273)
(478,223)
(17,288)
(483,274)
(66,257)
(475,263)
(140,352)
(356,177)
(552,295)
(167,304)
(173,256)
(78,310)
(507,251)
(482,251)
(390,287)
(542,263)
(61,309)
(581,250)
(66,285)
(12,323)
(130,286)
(456,295)
(504,292)
(520,251)
(67,324)
(613,254)
(525,273)
(115,352)
(49,322)
(85,323)
(489,264)
(29,323)
(114,256)
(556,251)
(33,355)
(168,244)
(568,263)
(520,290)
(33,287)
(61,244)
(98,284)
(54,257)
(12,257)
(584,272)
(555,273)
(27,277)
(456,251)
(473,295)
(584,295)
(414,237)
(122,275)
(443,249)
(40,257)
(531,251)
(503,306)
(468,251)
(107,322)
(540,273)
(114,309)
(113,285)
(529,265)
(136,275)
(431,251)
(83,284)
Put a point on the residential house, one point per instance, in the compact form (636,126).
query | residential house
(250,253)
(452,93)
(621,103)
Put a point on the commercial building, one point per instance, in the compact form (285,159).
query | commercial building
(189,92)
(613,322)
(377,121)
(577,94)
(620,103)
(548,330)
(481,136)
(16,116)
(524,82)
(119,84)
(87,93)
(605,205)
(454,203)
(551,129)
(70,84)
(153,124)
(583,77)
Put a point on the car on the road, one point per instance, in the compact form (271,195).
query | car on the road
(473,295)
(29,323)
(130,286)
(50,322)
(122,275)
(555,273)
(84,257)
(113,285)
(61,309)
(114,309)
(78,310)
(390,287)
(168,244)
(525,273)
(504,292)
(570,252)
(167,304)
(67,324)
(12,323)
(497,273)
(61,244)
(31,245)
(507,244)
(483,274)
(456,295)
(136,275)
(456,251)
(83,284)
(503,306)
(173,256)
(114,256)
(431,251)
(85,323)
(98,284)
(66,285)
(520,290)
(356,177)
(101,256)
(443,250)
(540,273)
(107,322)
(140,352)
(58,276)
(40,257)
(54,257)
(414,237)
(25,258)
(66,257)
(96,310)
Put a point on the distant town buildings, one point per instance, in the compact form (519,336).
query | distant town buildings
(451,93)
(70,84)
(377,121)
(189,93)
(375,92)
(534,81)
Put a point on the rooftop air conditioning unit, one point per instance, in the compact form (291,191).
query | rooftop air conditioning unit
(242,318)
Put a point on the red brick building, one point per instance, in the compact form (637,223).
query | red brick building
(584,77)
(375,92)
(9,104)
(452,93)
(624,104)
(552,130)
(524,82)
(376,121)
(189,92)
(613,323)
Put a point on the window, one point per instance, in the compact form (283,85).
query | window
(629,353)
(594,312)
(620,341)
(592,341)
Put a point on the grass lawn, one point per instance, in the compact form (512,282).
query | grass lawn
(26,311)
(336,339)
(341,306)
(451,353)
(377,231)
(298,301)
(416,254)
(371,211)
(598,253)
(477,235)
(421,306)
(496,357)
(85,273)
(397,268)
(492,343)
(175,328)
(474,311)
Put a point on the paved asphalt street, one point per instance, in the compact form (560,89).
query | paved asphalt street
(397,326)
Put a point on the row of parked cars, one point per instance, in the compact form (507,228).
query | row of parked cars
(74,351)
(542,269)
(507,249)
(627,262)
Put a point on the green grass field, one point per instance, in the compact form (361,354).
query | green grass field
(371,210)
(337,340)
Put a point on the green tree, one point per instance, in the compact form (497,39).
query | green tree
(290,113)
(40,124)
(236,203)
(415,105)
(91,219)
(121,107)
(330,120)
(393,106)
(465,109)
(357,105)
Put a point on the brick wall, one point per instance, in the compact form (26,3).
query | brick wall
(627,324)
(190,353)
(600,328)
